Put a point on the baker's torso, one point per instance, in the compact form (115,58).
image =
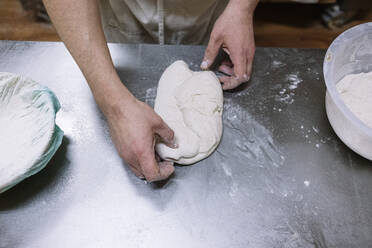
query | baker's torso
(160,21)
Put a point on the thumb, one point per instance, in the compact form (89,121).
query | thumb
(211,52)
(152,170)
(166,135)
(239,59)
(166,168)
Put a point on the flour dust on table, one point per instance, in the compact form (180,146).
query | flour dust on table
(191,103)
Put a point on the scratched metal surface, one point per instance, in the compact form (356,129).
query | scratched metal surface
(280,177)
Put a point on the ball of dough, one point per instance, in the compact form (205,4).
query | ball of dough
(191,103)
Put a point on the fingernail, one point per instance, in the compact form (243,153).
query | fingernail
(246,78)
(204,65)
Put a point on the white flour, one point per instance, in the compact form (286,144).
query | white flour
(356,92)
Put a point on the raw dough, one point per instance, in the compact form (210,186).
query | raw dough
(28,134)
(191,103)
(356,92)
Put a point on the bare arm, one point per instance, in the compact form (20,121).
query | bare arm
(133,124)
(79,26)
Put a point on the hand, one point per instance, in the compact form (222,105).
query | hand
(135,128)
(233,31)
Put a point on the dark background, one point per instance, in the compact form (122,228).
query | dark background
(278,23)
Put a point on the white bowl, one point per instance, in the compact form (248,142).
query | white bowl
(349,53)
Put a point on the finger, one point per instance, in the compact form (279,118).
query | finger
(226,50)
(136,171)
(239,60)
(249,64)
(228,83)
(249,70)
(227,62)
(157,157)
(154,171)
(226,69)
(166,135)
(166,168)
(211,52)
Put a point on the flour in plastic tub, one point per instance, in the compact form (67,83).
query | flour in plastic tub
(356,92)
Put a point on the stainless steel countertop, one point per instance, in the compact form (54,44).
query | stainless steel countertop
(280,177)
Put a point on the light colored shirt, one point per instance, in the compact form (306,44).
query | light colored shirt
(160,21)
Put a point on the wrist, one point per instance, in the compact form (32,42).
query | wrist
(248,6)
(113,99)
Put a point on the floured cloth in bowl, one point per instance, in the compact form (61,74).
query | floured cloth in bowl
(29,136)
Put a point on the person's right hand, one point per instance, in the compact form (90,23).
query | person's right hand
(233,31)
(135,128)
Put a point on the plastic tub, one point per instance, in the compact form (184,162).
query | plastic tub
(349,53)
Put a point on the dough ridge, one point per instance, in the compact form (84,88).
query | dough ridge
(191,103)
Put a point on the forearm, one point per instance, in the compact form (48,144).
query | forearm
(247,5)
(78,24)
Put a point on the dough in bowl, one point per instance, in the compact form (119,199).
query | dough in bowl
(191,103)
(29,136)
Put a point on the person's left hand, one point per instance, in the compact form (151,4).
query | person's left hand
(233,31)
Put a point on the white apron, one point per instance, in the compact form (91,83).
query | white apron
(160,21)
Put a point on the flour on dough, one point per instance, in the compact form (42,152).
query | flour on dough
(356,92)
(191,103)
